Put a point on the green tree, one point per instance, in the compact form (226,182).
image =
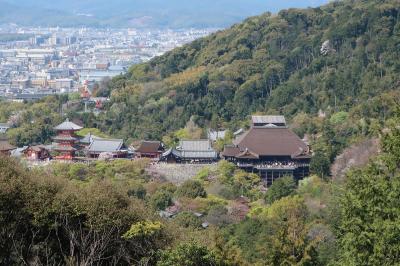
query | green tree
(281,187)
(320,165)
(190,254)
(370,209)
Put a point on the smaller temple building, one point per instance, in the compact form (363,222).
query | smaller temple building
(107,148)
(270,149)
(36,153)
(191,151)
(150,149)
(6,148)
(66,140)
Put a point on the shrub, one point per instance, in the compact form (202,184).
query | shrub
(161,200)
(188,255)
(191,189)
(188,219)
(138,191)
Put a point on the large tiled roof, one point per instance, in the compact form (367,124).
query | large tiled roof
(230,151)
(195,145)
(198,154)
(67,125)
(270,141)
(150,147)
(268,119)
(201,149)
(106,145)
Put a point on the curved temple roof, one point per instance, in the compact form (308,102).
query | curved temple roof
(269,141)
(67,125)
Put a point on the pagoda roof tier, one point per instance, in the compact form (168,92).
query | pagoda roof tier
(64,138)
(64,148)
(67,125)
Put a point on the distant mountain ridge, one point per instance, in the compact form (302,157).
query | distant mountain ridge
(129,13)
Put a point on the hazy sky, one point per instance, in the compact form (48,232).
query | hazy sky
(174,13)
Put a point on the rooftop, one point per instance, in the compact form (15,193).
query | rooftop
(195,145)
(271,141)
(67,125)
(196,149)
(150,147)
(268,119)
(6,146)
(106,145)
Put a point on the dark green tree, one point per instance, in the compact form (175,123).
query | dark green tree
(320,165)
(281,187)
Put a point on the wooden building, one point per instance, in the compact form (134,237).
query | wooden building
(66,140)
(36,153)
(271,151)
(150,149)
(6,148)
(191,151)
(112,148)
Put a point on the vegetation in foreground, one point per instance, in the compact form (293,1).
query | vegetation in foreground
(107,213)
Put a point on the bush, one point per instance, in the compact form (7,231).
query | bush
(281,187)
(138,191)
(191,189)
(339,118)
(161,200)
(187,255)
(188,219)
(218,215)
(228,193)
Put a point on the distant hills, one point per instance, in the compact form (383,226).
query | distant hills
(139,13)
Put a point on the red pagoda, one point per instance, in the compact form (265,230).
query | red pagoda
(66,140)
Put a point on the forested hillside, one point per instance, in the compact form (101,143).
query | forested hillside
(269,64)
